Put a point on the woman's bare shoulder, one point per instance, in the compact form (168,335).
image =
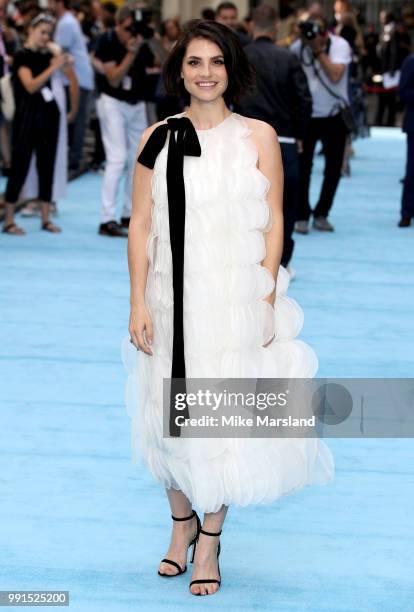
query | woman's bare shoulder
(261,130)
(148,131)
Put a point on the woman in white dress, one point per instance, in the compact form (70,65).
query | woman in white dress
(204,301)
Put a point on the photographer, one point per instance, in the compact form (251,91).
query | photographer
(325,59)
(123,56)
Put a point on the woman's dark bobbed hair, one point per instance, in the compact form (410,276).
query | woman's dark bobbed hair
(241,76)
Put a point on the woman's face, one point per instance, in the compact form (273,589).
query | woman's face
(203,70)
(40,35)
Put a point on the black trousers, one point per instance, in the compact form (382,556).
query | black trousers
(331,131)
(33,131)
(290,159)
(387,106)
(407,204)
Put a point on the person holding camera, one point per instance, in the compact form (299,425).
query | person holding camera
(123,56)
(325,58)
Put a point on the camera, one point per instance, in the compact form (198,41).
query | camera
(309,30)
(141,18)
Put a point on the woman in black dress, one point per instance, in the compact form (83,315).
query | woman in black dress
(36,120)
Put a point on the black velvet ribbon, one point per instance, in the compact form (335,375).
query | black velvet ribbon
(184,143)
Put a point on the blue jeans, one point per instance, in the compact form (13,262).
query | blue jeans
(78,128)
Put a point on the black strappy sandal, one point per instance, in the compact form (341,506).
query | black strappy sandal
(208,580)
(48,226)
(11,226)
(192,543)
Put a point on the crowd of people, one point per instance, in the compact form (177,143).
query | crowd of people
(67,68)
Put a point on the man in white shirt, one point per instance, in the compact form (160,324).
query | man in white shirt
(325,59)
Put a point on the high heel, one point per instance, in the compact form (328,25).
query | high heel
(208,580)
(192,543)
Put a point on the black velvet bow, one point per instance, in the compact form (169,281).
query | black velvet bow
(184,143)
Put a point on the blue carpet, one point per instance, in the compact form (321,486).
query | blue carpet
(76,515)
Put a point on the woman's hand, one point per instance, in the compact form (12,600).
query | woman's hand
(134,43)
(140,328)
(60,61)
(271,298)
(54,48)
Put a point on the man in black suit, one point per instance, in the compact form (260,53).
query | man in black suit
(283,100)
(406,93)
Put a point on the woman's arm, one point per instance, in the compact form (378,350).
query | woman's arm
(97,64)
(73,92)
(34,84)
(115,73)
(139,228)
(270,164)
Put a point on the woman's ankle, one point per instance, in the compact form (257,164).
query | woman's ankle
(44,211)
(8,213)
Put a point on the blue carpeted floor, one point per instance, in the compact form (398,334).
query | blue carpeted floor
(76,515)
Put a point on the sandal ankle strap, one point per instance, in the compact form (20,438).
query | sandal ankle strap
(210,533)
(185,518)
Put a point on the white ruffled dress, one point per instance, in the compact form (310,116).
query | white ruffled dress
(226,324)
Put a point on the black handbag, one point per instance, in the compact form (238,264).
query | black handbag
(347,117)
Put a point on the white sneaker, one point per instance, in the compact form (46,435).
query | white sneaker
(32,209)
